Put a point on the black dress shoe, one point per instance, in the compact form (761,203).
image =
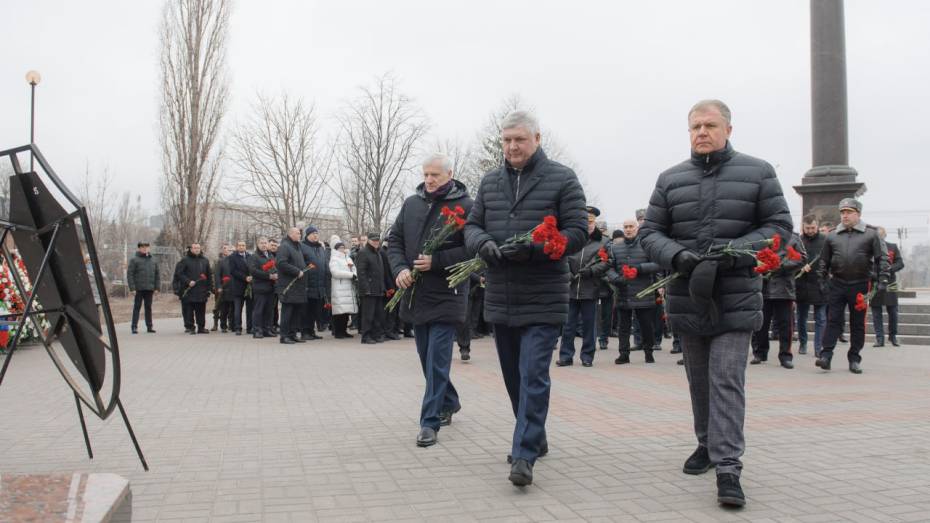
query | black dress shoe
(202,331)
(238,333)
(586,363)
(445,417)
(698,462)
(843,339)
(649,357)
(728,490)
(854,367)
(379,339)
(681,361)
(604,346)
(150,330)
(622,359)
(192,332)
(298,340)
(288,341)
(369,341)
(894,341)
(756,360)
(408,334)
(136,331)
(788,364)
(521,473)
(879,343)
(426,437)
(466,354)
(257,335)
(564,363)
(823,363)
(392,336)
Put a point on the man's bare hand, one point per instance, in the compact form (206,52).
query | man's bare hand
(423,263)
(248,279)
(192,283)
(807,268)
(404,279)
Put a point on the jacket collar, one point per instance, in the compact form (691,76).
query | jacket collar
(858,227)
(537,156)
(715,158)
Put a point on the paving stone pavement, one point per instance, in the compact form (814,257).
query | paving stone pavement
(237,429)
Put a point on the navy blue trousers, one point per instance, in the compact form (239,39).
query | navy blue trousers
(525,354)
(434,346)
(587,309)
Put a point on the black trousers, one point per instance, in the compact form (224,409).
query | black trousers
(222,311)
(340,325)
(604,314)
(289,321)
(645,317)
(274,310)
(194,314)
(372,316)
(261,312)
(142,298)
(780,312)
(238,302)
(312,312)
(841,296)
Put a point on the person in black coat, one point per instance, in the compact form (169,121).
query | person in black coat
(808,291)
(371,290)
(526,297)
(778,295)
(196,283)
(587,270)
(317,280)
(431,306)
(273,251)
(392,323)
(715,197)
(630,253)
(222,307)
(144,282)
(263,280)
(855,257)
(239,288)
(887,298)
(291,285)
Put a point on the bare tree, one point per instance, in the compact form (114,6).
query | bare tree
(282,164)
(380,130)
(5,172)
(95,194)
(194,93)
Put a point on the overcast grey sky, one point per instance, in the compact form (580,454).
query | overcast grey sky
(612,80)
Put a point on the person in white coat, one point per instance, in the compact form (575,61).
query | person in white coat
(343,298)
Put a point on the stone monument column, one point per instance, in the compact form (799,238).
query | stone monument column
(830,178)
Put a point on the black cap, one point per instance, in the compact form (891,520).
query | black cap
(850,203)
(593,210)
(142,244)
(617,234)
(374,236)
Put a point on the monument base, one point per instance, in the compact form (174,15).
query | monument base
(824,186)
(65,497)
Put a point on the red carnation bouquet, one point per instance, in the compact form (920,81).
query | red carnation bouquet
(202,277)
(891,256)
(767,260)
(546,233)
(629,273)
(269,266)
(454,221)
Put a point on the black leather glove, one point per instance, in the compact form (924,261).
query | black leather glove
(585,273)
(517,252)
(685,261)
(490,253)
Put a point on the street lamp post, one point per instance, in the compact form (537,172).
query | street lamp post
(33,77)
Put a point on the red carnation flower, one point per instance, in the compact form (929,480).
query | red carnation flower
(268,265)
(327,306)
(776,242)
(659,300)
(459,210)
(602,254)
(550,221)
(890,256)
(793,254)
(203,276)
(445,211)
(861,305)
(768,261)
(629,273)
(225,279)
(459,222)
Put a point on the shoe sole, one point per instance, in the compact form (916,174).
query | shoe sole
(424,444)
(695,472)
(733,502)
(519,480)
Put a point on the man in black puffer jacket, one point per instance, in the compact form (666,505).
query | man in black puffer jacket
(371,290)
(431,306)
(314,253)
(629,253)
(291,286)
(808,289)
(263,280)
(526,297)
(715,197)
(778,294)
(196,283)
(587,270)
